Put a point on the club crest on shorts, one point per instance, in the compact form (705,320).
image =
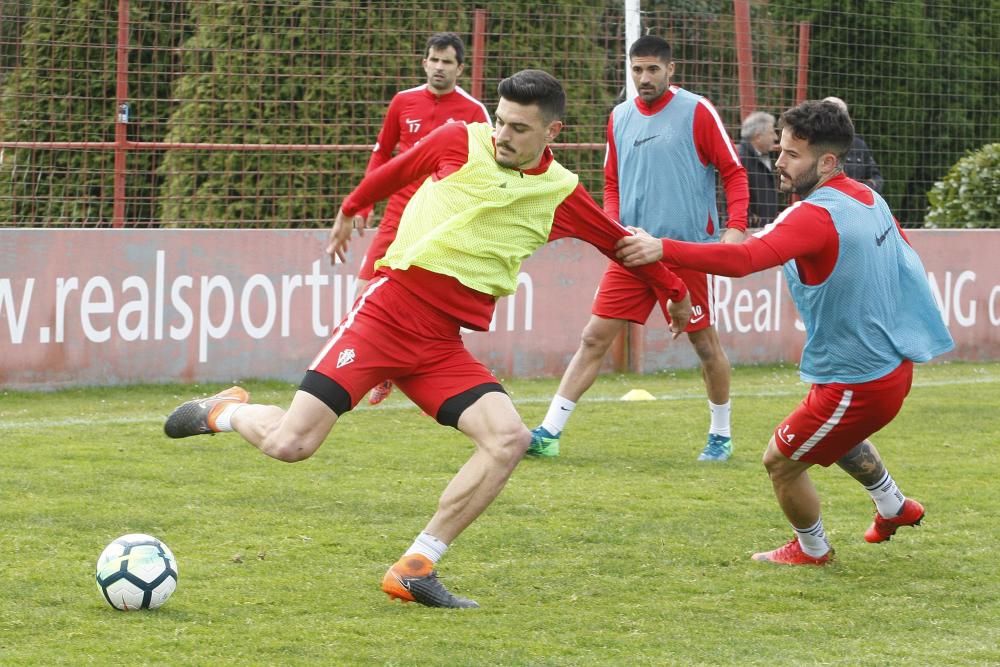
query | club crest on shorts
(345,357)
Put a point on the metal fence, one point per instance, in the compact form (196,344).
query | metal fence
(262,113)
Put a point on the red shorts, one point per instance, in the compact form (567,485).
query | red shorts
(391,334)
(385,234)
(833,418)
(623,296)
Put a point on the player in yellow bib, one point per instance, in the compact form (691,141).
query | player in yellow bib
(488,199)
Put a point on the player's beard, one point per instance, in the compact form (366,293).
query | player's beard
(651,92)
(441,84)
(803,185)
(509,160)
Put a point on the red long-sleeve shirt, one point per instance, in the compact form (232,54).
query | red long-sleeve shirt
(444,152)
(412,115)
(803,232)
(714,147)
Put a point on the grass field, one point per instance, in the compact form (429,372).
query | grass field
(624,551)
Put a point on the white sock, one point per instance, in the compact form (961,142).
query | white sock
(429,546)
(813,539)
(224,422)
(887,496)
(559,411)
(720,418)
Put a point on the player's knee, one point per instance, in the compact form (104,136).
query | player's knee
(709,349)
(777,464)
(769,462)
(595,341)
(508,444)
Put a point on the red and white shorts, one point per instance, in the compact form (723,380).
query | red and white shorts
(833,418)
(391,333)
(623,296)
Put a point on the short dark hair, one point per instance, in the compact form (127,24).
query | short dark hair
(821,123)
(651,45)
(442,40)
(533,86)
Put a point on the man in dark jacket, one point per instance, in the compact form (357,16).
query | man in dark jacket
(757,139)
(860,163)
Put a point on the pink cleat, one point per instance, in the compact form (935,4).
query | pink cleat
(380,392)
(792,554)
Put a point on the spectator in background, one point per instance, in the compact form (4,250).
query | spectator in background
(860,163)
(757,139)
(413,114)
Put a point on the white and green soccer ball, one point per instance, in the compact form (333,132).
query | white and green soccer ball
(136,571)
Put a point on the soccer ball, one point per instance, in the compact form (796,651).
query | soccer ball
(136,571)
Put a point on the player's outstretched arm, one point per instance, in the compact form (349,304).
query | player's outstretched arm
(578,216)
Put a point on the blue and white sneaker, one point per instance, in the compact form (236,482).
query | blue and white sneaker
(543,443)
(718,448)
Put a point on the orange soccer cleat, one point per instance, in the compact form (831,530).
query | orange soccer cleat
(413,579)
(882,528)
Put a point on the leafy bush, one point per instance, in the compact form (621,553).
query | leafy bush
(969,195)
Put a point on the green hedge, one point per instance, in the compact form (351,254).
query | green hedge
(969,196)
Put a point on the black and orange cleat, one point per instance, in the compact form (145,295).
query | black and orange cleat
(198,417)
(413,579)
(882,528)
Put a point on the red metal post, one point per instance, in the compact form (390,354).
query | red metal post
(478,51)
(121,115)
(744,57)
(802,75)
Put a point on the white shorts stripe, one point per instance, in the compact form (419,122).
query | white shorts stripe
(711,298)
(721,128)
(458,89)
(845,402)
(346,324)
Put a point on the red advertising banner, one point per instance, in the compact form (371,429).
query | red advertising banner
(91,307)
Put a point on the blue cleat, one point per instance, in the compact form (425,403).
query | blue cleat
(718,448)
(543,443)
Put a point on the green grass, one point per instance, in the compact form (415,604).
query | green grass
(623,551)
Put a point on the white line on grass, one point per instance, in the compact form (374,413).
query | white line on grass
(797,390)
